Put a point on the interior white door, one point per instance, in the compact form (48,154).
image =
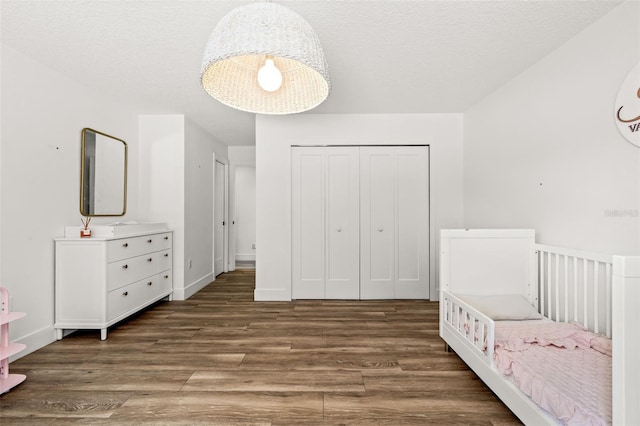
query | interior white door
(394,223)
(218,218)
(342,235)
(412,223)
(307,221)
(325,223)
(377,223)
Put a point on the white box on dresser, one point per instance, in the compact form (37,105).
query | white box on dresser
(102,280)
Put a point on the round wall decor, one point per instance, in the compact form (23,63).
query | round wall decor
(627,109)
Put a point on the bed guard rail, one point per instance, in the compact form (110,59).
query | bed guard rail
(575,285)
(468,324)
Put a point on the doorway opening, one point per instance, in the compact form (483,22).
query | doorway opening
(244,216)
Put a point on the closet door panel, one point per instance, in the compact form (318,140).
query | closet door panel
(308,223)
(377,223)
(342,226)
(412,223)
(408,241)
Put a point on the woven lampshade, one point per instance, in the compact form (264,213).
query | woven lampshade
(238,47)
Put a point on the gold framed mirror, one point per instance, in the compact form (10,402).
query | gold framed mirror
(103,174)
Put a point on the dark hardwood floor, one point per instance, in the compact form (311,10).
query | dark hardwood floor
(220,358)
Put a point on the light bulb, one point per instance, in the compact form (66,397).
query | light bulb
(269,76)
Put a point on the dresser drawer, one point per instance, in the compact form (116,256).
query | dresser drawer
(124,299)
(165,260)
(164,240)
(133,296)
(133,269)
(135,246)
(156,285)
(165,281)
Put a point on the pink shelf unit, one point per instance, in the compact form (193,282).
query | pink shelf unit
(8,381)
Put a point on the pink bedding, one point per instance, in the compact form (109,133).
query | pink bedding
(562,367)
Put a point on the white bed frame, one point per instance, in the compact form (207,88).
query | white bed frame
(600,291)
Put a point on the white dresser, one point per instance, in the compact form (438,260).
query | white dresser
(103,279)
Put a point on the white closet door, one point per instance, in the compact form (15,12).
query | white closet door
(325,223)
(394,223)
(377,222)
(342,223)
(412,223)
(308,219)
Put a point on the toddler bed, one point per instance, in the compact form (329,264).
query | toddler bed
(535,323)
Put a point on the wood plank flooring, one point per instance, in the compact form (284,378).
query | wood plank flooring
(220,358)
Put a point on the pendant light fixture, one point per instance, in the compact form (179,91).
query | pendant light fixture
(265,58)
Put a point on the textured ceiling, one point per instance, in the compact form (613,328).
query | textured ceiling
(388,56)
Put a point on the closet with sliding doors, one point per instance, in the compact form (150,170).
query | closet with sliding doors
(360,222)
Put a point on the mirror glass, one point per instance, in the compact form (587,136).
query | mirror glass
(103,175)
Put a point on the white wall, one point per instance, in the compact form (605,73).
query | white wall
(199,190)
(245,155)
(162,177)
(245,212)
(544,152)
(176,186)
(276,134)
(43,114)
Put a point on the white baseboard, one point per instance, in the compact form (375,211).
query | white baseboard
(272,295)
(245,257)
(193,288)
(36,340)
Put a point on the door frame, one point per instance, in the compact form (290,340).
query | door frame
(232,212)
(225,218)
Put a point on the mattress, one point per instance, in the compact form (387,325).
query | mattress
(562,367)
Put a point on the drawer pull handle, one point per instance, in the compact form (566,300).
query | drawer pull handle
(166,276)
(125,266)
(150,283)
(126,293)
(125,245)
(149,241)
(149,259)
(166,238)
(166,255)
